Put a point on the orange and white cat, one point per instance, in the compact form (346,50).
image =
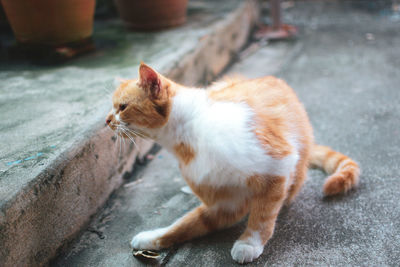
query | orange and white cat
(244,146)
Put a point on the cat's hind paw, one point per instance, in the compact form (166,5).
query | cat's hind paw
(148,239)
(243,251)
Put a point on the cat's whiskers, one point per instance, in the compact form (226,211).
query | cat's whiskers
(125,126)
(120,146)
(135,133)
(123,146)
(119,139)
(129,136)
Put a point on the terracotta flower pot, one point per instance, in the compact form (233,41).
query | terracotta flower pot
(3,19)
(50,22)
(152,14)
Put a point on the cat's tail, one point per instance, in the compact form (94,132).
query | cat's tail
(344,172)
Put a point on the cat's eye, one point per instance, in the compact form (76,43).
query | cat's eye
(122,107)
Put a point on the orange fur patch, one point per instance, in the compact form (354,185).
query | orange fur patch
(184,152)
(210,195)
(200,221)
(207,217)
(345,172)
(299,177)
(269,194)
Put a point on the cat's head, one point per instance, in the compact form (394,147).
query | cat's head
(143,103)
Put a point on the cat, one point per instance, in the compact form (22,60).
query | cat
(243,146)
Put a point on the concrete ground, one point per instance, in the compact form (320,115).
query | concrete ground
(345,68)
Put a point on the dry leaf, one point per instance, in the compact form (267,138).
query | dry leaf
(146,254)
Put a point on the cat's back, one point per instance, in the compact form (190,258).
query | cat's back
(271,99)
(266,90)
(280,120)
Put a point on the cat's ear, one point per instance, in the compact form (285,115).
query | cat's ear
(150,81)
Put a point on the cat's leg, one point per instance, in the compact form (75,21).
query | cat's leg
(197,222)
(300,176)
(265,205)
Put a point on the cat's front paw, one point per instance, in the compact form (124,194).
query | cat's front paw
(148,239)
(243,251)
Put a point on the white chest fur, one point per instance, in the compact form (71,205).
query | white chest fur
(227,151)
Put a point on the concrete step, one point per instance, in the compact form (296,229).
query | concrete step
(59,163)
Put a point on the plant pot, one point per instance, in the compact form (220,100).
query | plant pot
(152,14)
(50,22)
(3,19)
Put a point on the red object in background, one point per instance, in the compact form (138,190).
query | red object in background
(152,14)
(270,33)
(50,22)
(3,19)
(277,30)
